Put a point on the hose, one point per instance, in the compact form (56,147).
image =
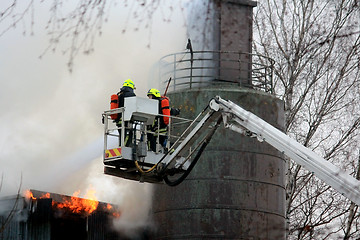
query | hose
(186,173)
(141,170)
(192,164)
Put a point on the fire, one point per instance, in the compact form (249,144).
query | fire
(29,195)
(75,204)
(46,195)
(116,214)
(80,205)
(110,208)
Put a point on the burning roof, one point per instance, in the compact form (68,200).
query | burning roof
(74,204)
(55,216)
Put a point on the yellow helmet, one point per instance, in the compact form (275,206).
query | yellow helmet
(129,83)
(154,92)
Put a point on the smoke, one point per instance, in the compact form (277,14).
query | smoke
(51,131)
(202,15)
(132,199)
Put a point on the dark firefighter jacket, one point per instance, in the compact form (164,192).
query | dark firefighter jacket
(124,92)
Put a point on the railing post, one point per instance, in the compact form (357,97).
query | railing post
(271,76)
(240,74)
(174,82)
(191,70)
(105,133)
(122,140)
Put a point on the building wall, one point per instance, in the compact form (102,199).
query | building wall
(39,220)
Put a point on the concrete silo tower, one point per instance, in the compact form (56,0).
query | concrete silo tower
(237,189)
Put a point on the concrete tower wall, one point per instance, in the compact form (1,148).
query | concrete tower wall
(230,31)
(236,29)
(237,189)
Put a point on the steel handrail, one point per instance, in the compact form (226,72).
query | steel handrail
(254,71)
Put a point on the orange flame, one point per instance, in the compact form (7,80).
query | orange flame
(75,204)
(80,205)
(46,195)
(28,194)
(115,213)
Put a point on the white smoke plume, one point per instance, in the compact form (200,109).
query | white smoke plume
(50,121)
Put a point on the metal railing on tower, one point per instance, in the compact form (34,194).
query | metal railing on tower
(207,68)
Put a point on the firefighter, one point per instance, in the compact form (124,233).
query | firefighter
(127,90)
(160,124)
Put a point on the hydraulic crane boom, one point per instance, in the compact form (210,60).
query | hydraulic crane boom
(180,158)
(324,170)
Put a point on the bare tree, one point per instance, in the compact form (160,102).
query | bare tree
(351,222)
(316,47)
(78,24)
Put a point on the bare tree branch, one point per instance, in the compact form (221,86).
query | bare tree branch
(315,45)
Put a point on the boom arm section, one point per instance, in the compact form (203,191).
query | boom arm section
(138,163)
(248,123)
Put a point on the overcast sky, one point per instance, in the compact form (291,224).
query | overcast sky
(51,132)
